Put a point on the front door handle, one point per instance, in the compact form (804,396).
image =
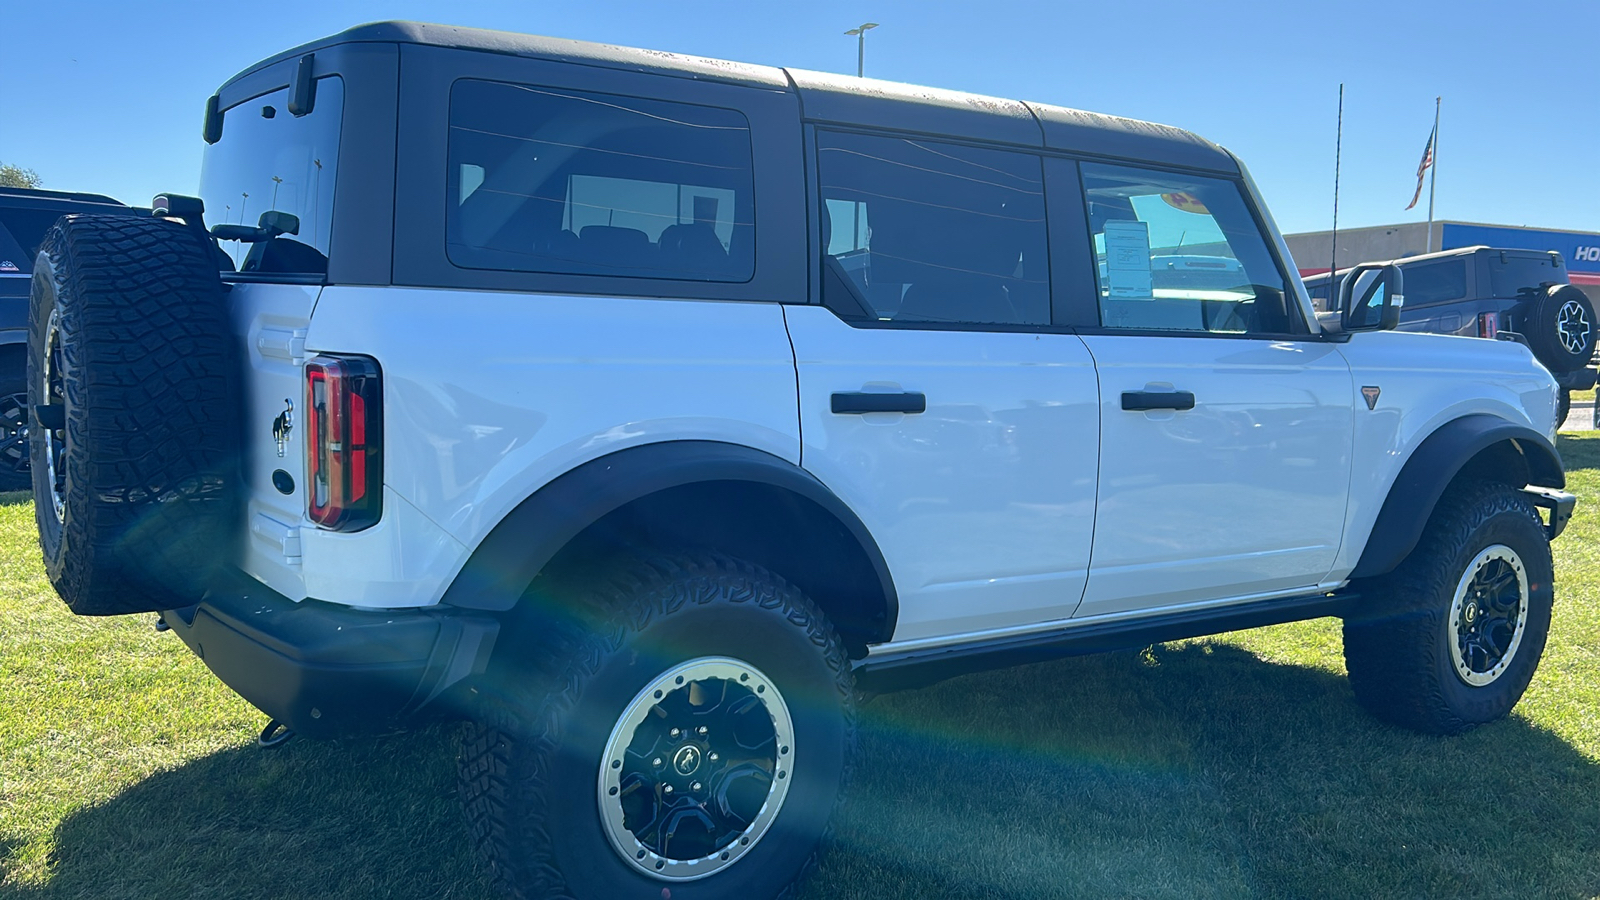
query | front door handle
(845,402)
(1146,400)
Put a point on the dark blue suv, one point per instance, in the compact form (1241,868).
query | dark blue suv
(25,216)
(1490,292)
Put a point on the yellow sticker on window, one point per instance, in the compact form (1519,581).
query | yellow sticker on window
(1186,202)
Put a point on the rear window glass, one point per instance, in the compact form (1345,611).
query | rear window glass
(270,159)
(560,181)
(1509,274)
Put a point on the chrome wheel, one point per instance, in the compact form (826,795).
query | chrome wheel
(1572,327)
(53,391)
(696,769)
(1488,615)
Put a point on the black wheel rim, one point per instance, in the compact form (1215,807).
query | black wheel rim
(1488,615)
(696,769)
(14,433)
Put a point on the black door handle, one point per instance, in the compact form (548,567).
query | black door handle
(862,402)
(1142,400)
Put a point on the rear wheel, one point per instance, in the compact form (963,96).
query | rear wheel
(1563,407)
(1465,616)
(690,738)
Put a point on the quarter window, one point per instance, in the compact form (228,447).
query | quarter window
(926,232)
(552,180)
(1181,253)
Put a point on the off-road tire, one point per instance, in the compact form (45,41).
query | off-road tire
(1559,307)
(1563,406)
(1401,665)
(147,373)
(529,764)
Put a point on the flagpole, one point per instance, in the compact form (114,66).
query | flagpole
(1433,176)
(1333,262)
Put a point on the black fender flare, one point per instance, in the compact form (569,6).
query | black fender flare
(1433,465)
(499,571)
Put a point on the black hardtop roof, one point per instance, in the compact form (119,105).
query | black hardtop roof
(1403,261)
(43,199)
(827,97)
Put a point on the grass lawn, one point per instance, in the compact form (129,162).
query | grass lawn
(1236,766)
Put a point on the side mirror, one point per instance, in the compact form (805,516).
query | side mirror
(1370,298)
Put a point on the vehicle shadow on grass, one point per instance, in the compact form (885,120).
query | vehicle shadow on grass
(1579,451)
(1199,770)
(1192,771)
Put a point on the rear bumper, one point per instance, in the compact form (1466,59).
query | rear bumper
(326,670)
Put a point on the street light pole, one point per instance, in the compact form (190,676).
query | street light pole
(860,34)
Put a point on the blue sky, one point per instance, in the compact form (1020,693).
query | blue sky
(107,96)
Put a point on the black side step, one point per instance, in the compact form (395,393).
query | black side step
(918,668)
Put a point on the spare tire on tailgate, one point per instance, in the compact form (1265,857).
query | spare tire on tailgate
(1561,328)
(134,389)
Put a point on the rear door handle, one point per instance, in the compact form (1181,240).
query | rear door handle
(1144,400)
(846,402)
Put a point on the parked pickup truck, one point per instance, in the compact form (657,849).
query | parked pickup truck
(640,409)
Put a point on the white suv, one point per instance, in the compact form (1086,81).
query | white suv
(639,408)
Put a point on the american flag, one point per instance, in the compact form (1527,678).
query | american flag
(1422,167)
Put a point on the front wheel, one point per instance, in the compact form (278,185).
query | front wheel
(1464,618)
(691,739)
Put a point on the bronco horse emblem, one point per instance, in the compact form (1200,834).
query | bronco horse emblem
(283,425)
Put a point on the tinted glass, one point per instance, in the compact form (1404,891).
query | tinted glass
(1178,252)
(1509,274)
(546,180)
(1435,282)
(269,159)
(21,233)
(919,231)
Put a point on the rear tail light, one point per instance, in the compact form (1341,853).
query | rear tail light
(344,442)
(1488,324)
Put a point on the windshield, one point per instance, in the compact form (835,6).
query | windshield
(271,160)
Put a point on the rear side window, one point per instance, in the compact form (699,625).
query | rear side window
(1435,282)
(553,180)
(921,231)
(1179,252)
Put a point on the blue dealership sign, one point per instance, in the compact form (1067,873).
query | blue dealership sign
(1580,250)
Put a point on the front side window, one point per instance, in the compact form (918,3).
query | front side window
(925,232)
(1177,252)
(552,180)
(271,160)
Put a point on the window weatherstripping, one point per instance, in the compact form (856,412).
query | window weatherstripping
(923,232)
(562,181)
(1181,253)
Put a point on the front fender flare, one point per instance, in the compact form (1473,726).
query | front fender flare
(1436,461)
(518,548)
